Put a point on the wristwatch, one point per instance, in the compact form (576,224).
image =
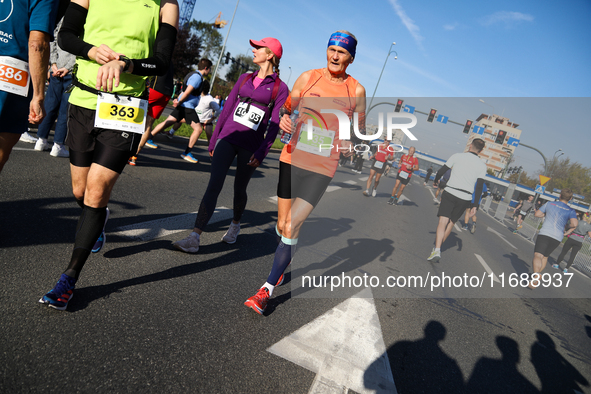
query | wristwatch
(127,62)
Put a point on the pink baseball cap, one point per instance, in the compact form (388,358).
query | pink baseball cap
(272,43)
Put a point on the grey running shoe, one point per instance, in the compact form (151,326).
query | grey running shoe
(232,233)
(188,245)
(435,256)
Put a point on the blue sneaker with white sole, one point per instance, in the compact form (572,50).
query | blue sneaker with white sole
(61,294)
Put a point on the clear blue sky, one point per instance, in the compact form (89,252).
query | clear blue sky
(510,54)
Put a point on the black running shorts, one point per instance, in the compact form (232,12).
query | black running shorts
(377,168)
(452,207)
(188,114)
(89,144)
(295,182)
(402,180)
(545,245)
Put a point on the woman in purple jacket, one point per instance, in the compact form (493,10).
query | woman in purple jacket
(251,110)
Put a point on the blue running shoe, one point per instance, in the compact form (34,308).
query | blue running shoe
(151,144)
(189,157)
(98,245)
(100,242)
(61,294)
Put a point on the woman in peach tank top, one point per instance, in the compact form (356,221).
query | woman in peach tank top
(309,161)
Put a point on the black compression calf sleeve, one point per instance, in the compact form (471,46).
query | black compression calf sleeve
(80,203)
(90,226)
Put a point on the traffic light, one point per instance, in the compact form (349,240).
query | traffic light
(467,127)
(398,105)
(431,115)
(227,57)
(501,137)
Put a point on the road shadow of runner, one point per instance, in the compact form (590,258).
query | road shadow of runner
(500,375)
(86,295)
(520,266)
(44,221)
(588,328)
(451,241)
(346,261)
(421,366)
(556,374)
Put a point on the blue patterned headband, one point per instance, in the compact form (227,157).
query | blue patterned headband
(345,41)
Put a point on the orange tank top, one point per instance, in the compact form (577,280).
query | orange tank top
(320,93)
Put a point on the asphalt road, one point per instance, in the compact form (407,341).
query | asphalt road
(147,318)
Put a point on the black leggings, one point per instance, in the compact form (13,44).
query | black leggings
(223,156)
(570,244)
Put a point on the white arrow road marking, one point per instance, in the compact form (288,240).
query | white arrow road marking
(344,347)
(364,178)
(402,199)
(152,229)
(487,268)
(273,199)
(501,236)
(332,188)
(350,182)
(457,227)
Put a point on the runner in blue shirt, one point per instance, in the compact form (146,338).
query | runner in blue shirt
(24,24)
(467,216)
(557,214)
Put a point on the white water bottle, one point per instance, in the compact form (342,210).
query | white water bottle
(286,137)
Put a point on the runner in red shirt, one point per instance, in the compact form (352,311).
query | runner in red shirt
(378,167)
(407,164)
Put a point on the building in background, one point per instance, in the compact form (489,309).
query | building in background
(502,138)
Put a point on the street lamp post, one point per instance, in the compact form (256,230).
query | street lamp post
(484,102)
(385,61)
(223,48)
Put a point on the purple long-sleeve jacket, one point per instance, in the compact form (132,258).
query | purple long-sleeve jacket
(242,136)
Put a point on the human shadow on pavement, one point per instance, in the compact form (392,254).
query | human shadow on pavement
(588,328)
(452,241)
(86,295)
(555,372)
(43,221)
(358,253)
(420,366)
(501,376)
(520,266)
(250,219)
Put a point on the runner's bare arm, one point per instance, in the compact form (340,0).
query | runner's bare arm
(38,63)
(360,108)
(293,101)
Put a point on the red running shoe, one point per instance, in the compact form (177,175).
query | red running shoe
(258,302)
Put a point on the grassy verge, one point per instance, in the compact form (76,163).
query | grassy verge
(185,131)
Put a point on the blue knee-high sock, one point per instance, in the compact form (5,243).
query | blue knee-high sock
(277,235)
(285,251)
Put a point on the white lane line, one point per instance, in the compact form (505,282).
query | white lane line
(152,229)
(332,188)
(350,182)
(364,178)
(457,227)
(501,236)
(273,199)
(487,268)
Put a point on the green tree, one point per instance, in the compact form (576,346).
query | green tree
(565,174)
(210,37)
(186,52)
(239,67)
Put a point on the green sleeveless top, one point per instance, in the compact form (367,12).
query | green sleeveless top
(128,27)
